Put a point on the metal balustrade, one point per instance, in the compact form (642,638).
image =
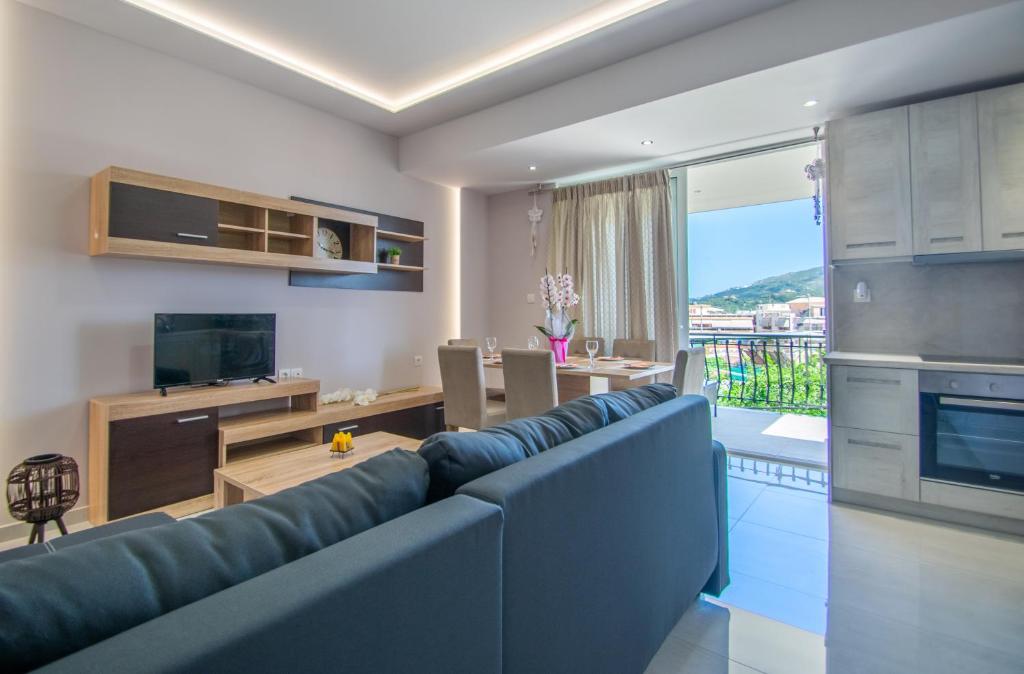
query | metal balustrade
(774,371)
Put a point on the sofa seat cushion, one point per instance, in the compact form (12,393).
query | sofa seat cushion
(620,405)
(59,603)
(458,458)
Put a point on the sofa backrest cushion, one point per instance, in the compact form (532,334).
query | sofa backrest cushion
(458,458)
(620,405)
(56,604)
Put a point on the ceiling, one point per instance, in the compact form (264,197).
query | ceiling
(750,181)
(480,90)
(765,106)
(403,65)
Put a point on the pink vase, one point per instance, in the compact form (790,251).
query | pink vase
(560,347)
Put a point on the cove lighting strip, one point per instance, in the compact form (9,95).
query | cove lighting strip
(579,26)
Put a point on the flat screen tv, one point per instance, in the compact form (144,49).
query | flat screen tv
(194,349)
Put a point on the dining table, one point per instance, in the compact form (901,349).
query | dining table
(576,378)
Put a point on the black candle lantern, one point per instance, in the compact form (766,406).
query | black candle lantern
(40,489)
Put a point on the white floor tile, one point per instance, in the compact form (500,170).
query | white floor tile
(741,495)
(777,602)
(780,557)
(796,514)
(752,640)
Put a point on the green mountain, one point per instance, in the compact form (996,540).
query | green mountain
(781,288)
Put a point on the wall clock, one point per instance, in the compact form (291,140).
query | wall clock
(328,245)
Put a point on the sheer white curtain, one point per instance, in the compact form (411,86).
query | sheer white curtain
(615,238)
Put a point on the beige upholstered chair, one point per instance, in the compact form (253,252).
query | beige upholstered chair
(465,399)
(634,348)
(492,393)
(530,385)
(688,376)
(578,346)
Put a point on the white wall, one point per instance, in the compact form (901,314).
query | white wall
(511,272)
(474,261)
(74,327)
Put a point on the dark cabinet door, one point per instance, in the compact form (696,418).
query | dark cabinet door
(415,422)
(158,215)
(159,460)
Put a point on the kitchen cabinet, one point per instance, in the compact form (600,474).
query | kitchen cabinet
(869,185)
(945,181)
(1001,143)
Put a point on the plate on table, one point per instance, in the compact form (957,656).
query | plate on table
(567,366)
(639,365)
(610,359)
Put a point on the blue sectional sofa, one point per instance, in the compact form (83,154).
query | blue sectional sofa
(568,542)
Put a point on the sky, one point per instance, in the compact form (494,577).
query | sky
(737,246)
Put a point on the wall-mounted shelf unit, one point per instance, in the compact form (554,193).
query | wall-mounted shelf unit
(142,215)
(391,231)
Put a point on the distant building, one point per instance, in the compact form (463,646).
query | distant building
(804,314)
(708,318)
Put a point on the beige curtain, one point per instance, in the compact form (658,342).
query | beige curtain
(615,238)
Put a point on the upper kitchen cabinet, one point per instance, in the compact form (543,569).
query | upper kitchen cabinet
(946,189)
(1001,139)
(869,185)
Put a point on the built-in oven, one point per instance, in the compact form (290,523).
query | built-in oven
(972,429)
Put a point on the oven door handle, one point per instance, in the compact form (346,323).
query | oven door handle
(983,403)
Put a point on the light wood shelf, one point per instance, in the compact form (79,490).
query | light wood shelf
(399,236)
(262,424)
(268,447)
(239,228)
(287,235)
(399,267)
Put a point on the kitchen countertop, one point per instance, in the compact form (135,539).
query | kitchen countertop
(912,362)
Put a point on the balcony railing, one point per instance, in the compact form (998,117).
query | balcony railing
(777,371)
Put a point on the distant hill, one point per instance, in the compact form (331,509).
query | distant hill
(781,288)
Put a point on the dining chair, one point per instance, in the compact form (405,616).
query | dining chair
(493,393)
(634,348)
(578,346)
(688,376)
(530,384)
(465,398)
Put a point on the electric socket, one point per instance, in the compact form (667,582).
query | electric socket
(417,361)
(296,372)
(284,374)
(530,298)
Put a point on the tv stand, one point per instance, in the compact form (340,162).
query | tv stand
(257,380)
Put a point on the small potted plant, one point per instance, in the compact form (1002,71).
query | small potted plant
(394,254)
(558,295)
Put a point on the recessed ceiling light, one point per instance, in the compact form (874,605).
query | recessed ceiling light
(647,141)
(810,104)
(601,16)
(533,168)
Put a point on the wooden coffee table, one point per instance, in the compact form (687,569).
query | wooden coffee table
(252,478)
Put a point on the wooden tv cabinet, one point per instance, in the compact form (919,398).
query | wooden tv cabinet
(149,452)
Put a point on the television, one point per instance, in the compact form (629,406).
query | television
(195,349)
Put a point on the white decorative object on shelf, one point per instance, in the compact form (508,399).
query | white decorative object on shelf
(364,397)
(340,396)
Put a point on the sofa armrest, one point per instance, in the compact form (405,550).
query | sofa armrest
(419,593)
(719,579)
(608,539)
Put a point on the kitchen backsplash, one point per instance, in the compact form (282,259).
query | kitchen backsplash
(974,309)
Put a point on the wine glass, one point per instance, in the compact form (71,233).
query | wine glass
(592,351)
(492,344)
(533,342)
